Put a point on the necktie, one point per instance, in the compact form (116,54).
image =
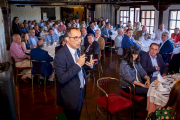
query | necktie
(88,49)
(80,74)
(52,40)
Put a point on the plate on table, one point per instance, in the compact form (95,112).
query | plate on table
(166,89)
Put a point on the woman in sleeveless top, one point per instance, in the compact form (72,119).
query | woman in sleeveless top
(25,42)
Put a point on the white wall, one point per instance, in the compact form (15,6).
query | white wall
(30,13)
(166,15)
(97,12)
(3,51)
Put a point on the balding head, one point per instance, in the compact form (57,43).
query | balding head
(17,38)
(32,32)
(40,44)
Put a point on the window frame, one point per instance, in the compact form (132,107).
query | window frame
(148,18)
(169,19)
(135,14)
(123,17)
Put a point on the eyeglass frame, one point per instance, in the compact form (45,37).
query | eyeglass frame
(77,37)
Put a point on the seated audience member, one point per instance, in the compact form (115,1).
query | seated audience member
(32,25)
(96,26)
(89,26)
(29,24)
(62,42)
(15,26)
(84,40)
(22,27)
(142,33)
(120,25)
(129,23)
(88,21)
(132,71)
(73,22)
(51,22)
(41,23)
(37,32)
(138,28)
(19,57)
(77,23)
(106,21)
(91,29)
(48,25)
(153,63)
(100,40)
(100,22)
(106,32)
(25,42)
(32,39)
(39,54)
(134,27)
(174,64)
(26,28)
(97,21)
(130,26)
(68,25)
(125,29)
(25,22)
(83,25)
(61,27)
(103,24)
(54,27)
(166,46)
(118,41)
(74,25)
(171,110)
(51,37)
(176,36)
(92,47)
(159,32)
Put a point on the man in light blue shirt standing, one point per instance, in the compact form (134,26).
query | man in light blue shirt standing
(51,37)
(32,39)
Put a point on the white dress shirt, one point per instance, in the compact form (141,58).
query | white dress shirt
(158,34)
(96,39)
(80,74)
(154,63)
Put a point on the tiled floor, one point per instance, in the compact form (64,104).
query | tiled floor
(40,105)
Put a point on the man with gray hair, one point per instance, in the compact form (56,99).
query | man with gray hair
(93,46)
(142,33)
(100,40)
(166,46)
(159,32)
(118,41)
(39,54)
(138,28)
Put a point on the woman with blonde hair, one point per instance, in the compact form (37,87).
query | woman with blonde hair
(25,42)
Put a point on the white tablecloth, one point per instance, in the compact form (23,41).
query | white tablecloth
(51,50)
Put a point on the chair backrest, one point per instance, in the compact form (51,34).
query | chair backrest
(13,65)
(96,57)
(36,67)
(124,51)
(104,85)
(170,57)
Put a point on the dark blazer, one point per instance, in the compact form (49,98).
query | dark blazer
(149,68)
(166,48)
(16,29)
(41,55)
(68,84)
(90,31)
(104,32)
(94,49)
(85,41)
(174,64)
(57,48)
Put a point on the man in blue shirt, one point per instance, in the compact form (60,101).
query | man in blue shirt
(32,39)
(51,37)
(120,25)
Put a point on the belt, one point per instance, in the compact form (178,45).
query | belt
(82,88)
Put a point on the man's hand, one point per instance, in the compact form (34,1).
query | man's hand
(158,68)
(105,35)
(91,62)
(147,83)
(163,75)
(81,60)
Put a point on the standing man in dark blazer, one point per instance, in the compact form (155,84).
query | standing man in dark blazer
(39,54)
(106,32)
(70,72)
(153,63)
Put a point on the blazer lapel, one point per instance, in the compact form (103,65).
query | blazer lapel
(150,60)
(69,56)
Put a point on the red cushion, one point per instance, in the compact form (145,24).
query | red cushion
(125,94)
(107,42)
(115,103)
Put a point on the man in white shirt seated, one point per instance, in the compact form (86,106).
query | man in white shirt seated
(55,29)
(118,41)
(96,26)
(159,32)
(51,37)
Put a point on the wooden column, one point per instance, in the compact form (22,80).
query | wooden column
(116,9)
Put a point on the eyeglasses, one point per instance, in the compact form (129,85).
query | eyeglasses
(76,38)
(164,35)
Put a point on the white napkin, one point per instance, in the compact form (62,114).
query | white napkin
(159,78)
(160,87)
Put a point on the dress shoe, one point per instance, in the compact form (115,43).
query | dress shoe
(25,80)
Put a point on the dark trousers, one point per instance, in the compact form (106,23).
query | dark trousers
(75,114)
(141,91)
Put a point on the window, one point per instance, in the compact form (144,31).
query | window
(50,12)
(174,20)
(124,16)
(134,15)
(147,19)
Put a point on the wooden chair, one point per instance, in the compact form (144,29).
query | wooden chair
(36,70)
(124,51)
(170,57)
(17,69)
(113,103)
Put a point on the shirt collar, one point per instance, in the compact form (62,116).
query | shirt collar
(151,57)
(96,39)
(72,51)
(165,41)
